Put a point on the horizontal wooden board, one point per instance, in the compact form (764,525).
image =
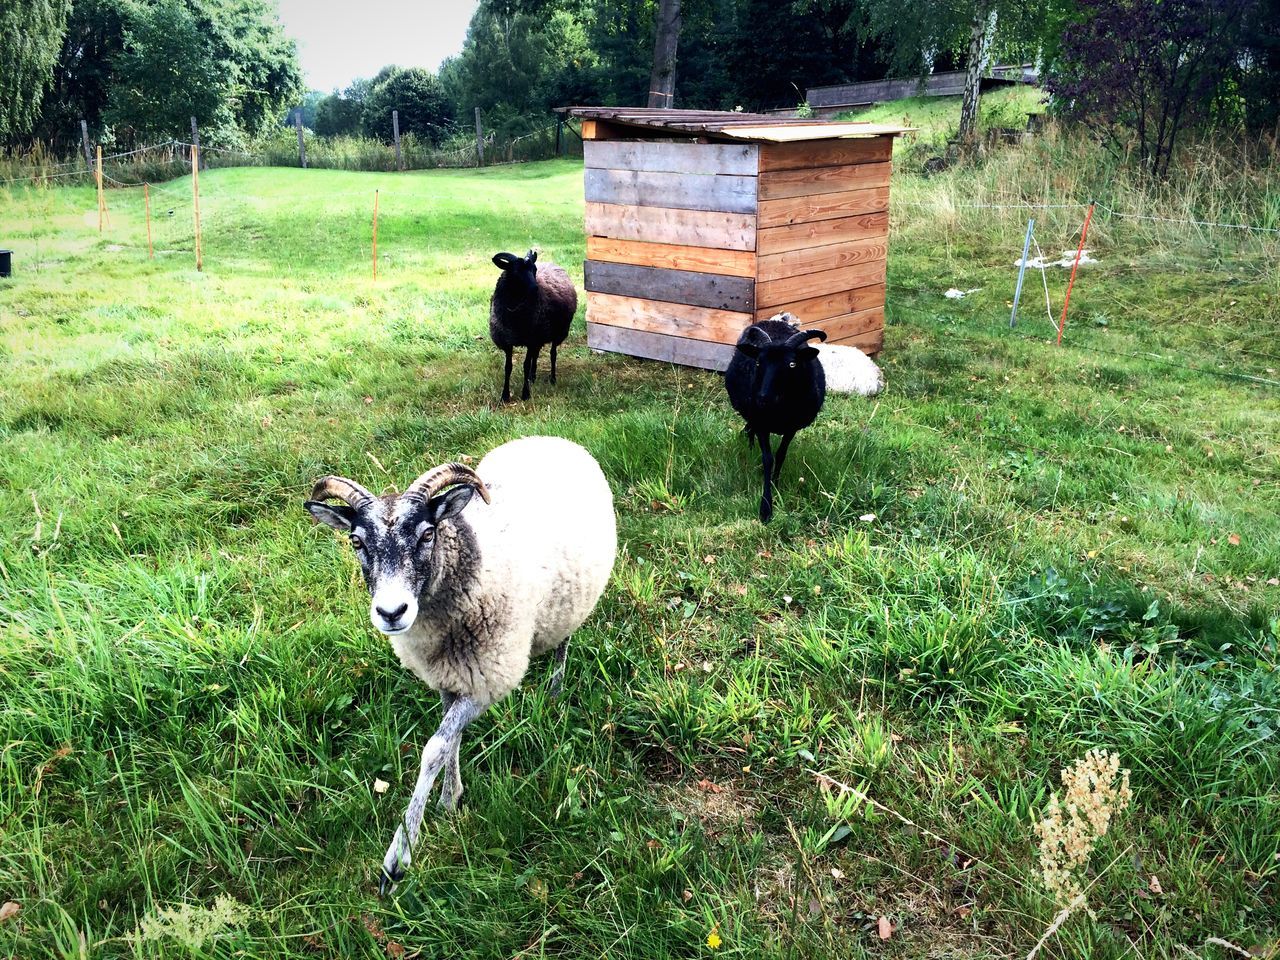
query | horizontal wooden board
(798,236)
(822,206)
(824,153)
(807,285)
(817,259)
(851,324)
(669,256)
(738,159)
(832,305)
(672,319)
(694,228)
(711,290)
(871,342)
(686,191)
(657,346)
(807,181)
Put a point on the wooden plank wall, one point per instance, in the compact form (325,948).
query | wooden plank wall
(671,247)
(822,238)
(688,243)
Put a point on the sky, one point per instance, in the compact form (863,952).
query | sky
(340,40)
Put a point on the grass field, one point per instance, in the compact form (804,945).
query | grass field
(1016,554)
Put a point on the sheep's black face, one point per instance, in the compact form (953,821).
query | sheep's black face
(777,367)
(519,279)
(394,540)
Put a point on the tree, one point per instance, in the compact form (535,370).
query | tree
(339,114)
(666,40)
(30,35)
(1148,68)
(168,72)
(417,94)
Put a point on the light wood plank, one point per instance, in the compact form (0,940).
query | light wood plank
(668,256)
(738,159)
(870,343)
(807,285)
(817,259)
(840,329)
(656,346)
(813,309)
(687,191)
(807,181)
(823,206)
(671,319)
(798,236)
(671,286)
(824,153)
(694,228)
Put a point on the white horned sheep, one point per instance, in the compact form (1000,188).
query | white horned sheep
(470,588)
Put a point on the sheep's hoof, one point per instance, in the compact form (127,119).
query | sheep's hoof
(395,863)
(524,395)
(766,512)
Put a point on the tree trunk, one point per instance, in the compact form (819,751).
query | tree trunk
(662,83)
(980,36)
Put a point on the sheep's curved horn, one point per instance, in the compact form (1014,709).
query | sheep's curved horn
(340,488)
(755,335)
(445,475)
(804,336)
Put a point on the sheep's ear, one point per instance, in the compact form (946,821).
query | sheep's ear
(504,261)
(532,256)
(749,349)
(338,516)
(807,353)
(450,503)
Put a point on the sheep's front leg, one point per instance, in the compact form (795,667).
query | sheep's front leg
(553,364)
(506,380)
(781,454)
(434,757)
(766,455)
(451,788)
(557,674)
(530,370)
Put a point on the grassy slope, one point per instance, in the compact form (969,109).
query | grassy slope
(193,703)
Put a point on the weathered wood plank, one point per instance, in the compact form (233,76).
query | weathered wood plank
(807,181)
(656,346)
(824,153)
(813,309)
(687,191)
(694,228)
(841,328)
(669,256)
(823,206)
(672,286)
(737,159)
(798,236)
(808,285)
(671,319)
(871,342)
(817,259)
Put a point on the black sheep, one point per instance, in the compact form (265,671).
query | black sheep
(532,305)
(777,385)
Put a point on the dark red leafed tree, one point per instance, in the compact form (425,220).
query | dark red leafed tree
(1141,71)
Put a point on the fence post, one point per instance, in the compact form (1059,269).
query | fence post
(479,139)
(84,139)
(395,129)
(195,196)
(1022,270)
(102,201)
(302,147)
(1084,232)
(195,134)
(146,195)
(560,135)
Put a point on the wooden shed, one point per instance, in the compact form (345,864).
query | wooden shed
(700,222)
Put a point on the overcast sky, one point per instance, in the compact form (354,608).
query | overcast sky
(340,40)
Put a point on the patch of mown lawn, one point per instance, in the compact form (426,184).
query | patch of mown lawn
(1016,554)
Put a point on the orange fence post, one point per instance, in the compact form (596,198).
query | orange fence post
(146,195)
(195,193)
(375,235)
(1084,232)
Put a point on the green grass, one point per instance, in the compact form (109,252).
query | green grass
(939,116)
(1070,548)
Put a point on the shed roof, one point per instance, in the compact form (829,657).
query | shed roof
(732,125)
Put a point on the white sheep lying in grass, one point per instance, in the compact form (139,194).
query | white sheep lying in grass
(470,589)
(849,370)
